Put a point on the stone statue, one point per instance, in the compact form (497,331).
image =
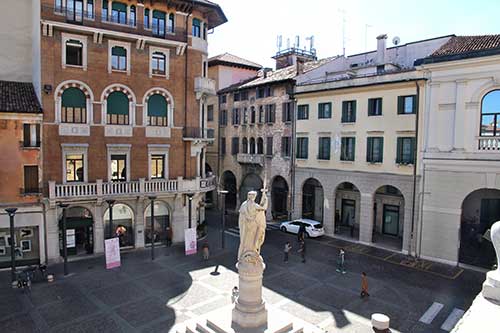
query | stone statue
(491,287)
(252,223)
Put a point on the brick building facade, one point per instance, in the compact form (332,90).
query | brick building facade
(124,91)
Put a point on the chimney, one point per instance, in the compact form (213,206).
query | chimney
(265,71)
(381,45)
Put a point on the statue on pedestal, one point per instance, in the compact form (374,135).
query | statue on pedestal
(252,223)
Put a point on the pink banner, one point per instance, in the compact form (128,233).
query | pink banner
(112,249)
(190,241)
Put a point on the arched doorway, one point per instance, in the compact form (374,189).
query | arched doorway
(347,207)
(388,217)
(123,225)
(229,184)
(480,209)
(251,182)
(79,231)
(161,223)
(279,198)
(312,200)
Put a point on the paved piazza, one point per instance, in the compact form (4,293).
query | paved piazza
(150,296)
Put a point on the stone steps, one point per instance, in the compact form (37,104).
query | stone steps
(211,327)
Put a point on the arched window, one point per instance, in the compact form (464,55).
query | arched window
(252,146)
(171,22)
(132,15)
(119,12)
(490,114)
(196,28)
(252,115)
(159,23)
(117,109)
(244,146)
(158,63)
(74,106)
(157,110)
(123,224)
(146,18)
(260,146)
(119,58)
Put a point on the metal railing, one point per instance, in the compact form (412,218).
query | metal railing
(89,19)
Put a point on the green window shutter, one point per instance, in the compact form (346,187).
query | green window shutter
(306,147)
(118,103)
(371,101)
(344,112)
(414,104)
(119,51)
(119,6)
(401,104)
(399,152)
(157,106)
(381,151)
(369,149)
(159,14)
(74,98)
(413,148)
(354,110)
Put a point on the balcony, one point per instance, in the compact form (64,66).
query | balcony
(250,159)
(204,86)
(197,134)
(489,143)
(88,19)
(103,190)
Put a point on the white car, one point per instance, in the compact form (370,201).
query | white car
(313,228)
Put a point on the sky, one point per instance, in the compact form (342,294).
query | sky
(253,26)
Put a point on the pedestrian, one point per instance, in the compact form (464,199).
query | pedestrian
(300,235)
(234,294)
(287,249)
(364,285)
(169,236)
(341,261)
(302,251)
(206,251)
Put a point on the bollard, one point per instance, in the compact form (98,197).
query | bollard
(380,323)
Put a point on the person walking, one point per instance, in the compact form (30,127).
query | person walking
(169,236)
(302,251)
(234,294)
(286,251)
(341,261)
(364,285)
(302,231)
(206,251)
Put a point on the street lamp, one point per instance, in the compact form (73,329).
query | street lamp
(110,204)
(152,198)
(190,197)
(223,199)
(64,237)
(12,213)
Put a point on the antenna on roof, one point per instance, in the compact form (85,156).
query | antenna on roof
(297,42)
(342,12)
(279,42)
(311,42)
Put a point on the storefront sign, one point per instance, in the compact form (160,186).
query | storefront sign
(112,249)
(190,241)
(70,238)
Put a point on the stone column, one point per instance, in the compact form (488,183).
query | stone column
(52,235)
(297,210)
(250,310)
(99,228)
(329,213)
(179,219)
(366,218)
(139,223)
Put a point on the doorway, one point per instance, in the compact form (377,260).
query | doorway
(390,224)
(79,231)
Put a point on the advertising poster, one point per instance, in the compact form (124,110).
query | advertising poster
(190,241)
(112,249)
(70,238)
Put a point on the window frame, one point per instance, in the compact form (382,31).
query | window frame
(269,146)
(321,110)
(65,37)
(126,46)
(196,28)
(348,147)
(348,118)
(75,149)
(402,104)
(324,154)
(303,112)
(300,154)
(400,150)
(158,150)
(371,157)
(166,53)
(286,146)
(495,115)
(26,189)
(372,107)
(118,149)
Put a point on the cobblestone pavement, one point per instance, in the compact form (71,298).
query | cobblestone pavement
(146,296)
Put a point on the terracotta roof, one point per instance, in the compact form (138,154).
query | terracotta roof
(231,59)
(283,74)
(18,97)
(466,44)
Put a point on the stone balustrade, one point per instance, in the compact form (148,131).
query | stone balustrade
(489,143)
(101,190)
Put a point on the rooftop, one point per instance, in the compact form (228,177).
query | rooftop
(463,47)
(18,97)
(232,60)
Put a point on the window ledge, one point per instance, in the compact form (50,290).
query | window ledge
(375,115)
(75,66)
(346,162)
(323,159)
(402,165)
(119,71)
(164,75)
(30,148)
(301,159)
(324,117)
(348,123)
(374,163)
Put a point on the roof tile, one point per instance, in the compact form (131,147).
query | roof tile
(466,44)
(18,97)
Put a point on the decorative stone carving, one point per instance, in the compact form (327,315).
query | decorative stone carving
(491,287)
(118,130)
(74,130)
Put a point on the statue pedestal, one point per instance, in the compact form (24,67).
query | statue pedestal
(250,310)
(491,286)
